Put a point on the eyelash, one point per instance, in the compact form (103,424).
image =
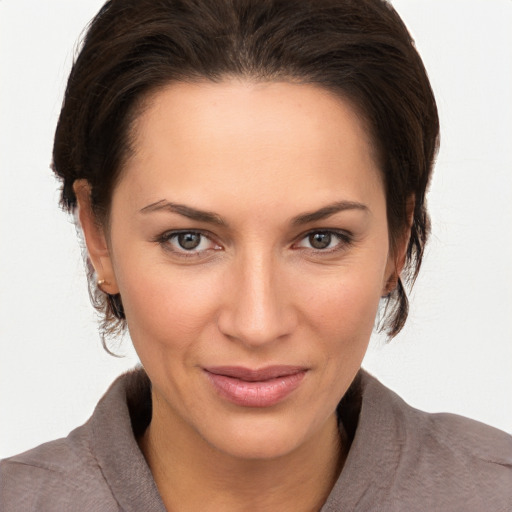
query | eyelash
(165,238)
(345,239)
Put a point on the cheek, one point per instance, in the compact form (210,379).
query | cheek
(346,301)
(164,304)
(342,316)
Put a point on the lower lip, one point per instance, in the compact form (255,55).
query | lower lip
(256,394)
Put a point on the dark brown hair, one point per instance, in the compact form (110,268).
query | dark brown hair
(359,49)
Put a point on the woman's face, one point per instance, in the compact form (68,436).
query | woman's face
(249,242)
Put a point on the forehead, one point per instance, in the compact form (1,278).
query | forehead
(206,140)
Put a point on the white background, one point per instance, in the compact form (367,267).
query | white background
(456,351)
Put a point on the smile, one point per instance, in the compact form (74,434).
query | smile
(255,388)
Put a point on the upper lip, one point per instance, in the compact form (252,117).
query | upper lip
(255,375)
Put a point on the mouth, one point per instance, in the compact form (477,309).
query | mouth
(262,387)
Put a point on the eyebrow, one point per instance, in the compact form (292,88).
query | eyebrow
(213,218)
(185,211)
(327,211)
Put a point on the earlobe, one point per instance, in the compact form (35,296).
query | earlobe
(95,239)
(390,284)
(396,261)
(394,269)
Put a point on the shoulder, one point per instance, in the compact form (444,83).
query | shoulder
(460,456)
(468,439)
(450,440)
(98,466)
(445,459)
(59,475)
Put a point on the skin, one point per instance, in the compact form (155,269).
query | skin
(255,292)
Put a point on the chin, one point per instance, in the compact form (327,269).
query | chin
(259,438)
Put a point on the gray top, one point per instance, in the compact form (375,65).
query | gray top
(400,459)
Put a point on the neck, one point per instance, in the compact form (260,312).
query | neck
(192,475)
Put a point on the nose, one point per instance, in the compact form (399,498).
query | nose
(258,309)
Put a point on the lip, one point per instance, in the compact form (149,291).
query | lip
(262,387)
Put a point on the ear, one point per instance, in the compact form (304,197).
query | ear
(95,239)
(397,256)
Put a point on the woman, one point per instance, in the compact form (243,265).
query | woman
(250,179)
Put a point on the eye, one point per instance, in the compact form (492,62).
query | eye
(187,243)
(324,241)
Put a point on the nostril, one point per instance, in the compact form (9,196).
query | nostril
(256,326)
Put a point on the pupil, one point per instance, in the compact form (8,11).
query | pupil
(320,240)
(189,240)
